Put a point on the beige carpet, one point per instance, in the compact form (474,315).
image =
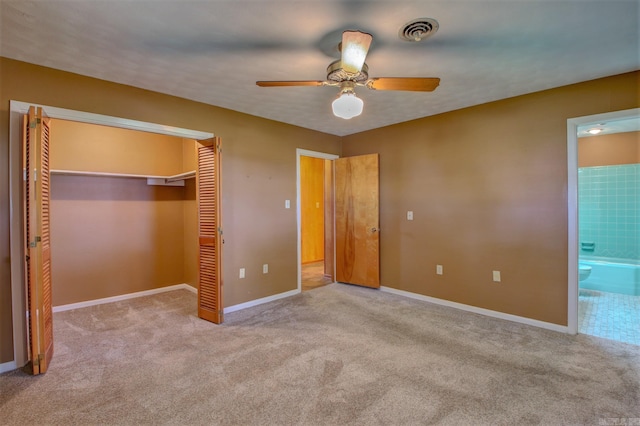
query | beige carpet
(332,356)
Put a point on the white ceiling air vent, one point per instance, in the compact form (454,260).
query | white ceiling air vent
(418,29)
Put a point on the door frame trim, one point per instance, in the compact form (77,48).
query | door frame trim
(306,153)
(16,110)
(572,204)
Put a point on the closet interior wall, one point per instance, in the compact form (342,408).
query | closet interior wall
(114,235)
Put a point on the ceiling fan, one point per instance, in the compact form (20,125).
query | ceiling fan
(350,71)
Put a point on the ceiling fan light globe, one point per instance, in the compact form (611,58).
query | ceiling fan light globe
(347,106)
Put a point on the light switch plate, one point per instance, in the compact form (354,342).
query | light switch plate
(409,215)
(241,272)
(265,268)
(439,269)
(287,204)
(496,276)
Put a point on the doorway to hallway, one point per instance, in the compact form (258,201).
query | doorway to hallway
(338,221)
(315,219)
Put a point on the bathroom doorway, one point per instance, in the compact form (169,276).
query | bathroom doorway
(607,243)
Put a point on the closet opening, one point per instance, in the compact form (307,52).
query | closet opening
(124,211)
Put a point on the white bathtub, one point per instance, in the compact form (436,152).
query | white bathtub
(612,277)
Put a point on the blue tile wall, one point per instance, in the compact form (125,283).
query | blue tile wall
(609,211)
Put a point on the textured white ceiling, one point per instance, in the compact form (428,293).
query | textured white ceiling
(213,51)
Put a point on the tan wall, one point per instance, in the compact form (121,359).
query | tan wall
(113,236)
(609,150)
(190,212)
(488,188)
(90,147)
(259,173)
(312,208)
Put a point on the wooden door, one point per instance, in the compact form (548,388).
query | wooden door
(329,221)
(209,231)
(357,220)
(37,239)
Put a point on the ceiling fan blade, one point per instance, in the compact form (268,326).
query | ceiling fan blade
(412,84)
(290,83)
(355,45)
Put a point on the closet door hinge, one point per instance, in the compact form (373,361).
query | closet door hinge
(38,359)
(35,241)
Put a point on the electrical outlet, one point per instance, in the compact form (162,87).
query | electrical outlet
(241,272)
(439,269)
(265,268)
(496,276)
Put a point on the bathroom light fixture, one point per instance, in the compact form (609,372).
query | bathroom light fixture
(595,130)
(347,105)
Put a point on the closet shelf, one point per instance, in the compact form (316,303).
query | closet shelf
(173,180)
(181,176)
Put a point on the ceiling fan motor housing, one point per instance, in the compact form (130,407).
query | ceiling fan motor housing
(336,74)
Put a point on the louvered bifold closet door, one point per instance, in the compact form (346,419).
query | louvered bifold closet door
(209,231)
(37,239)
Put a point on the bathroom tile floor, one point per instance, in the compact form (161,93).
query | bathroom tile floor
(610,315)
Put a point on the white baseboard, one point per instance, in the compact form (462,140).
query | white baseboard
(118,298)
(260,301)
(188,287)
(481,311)
(8,366)
(251,303)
